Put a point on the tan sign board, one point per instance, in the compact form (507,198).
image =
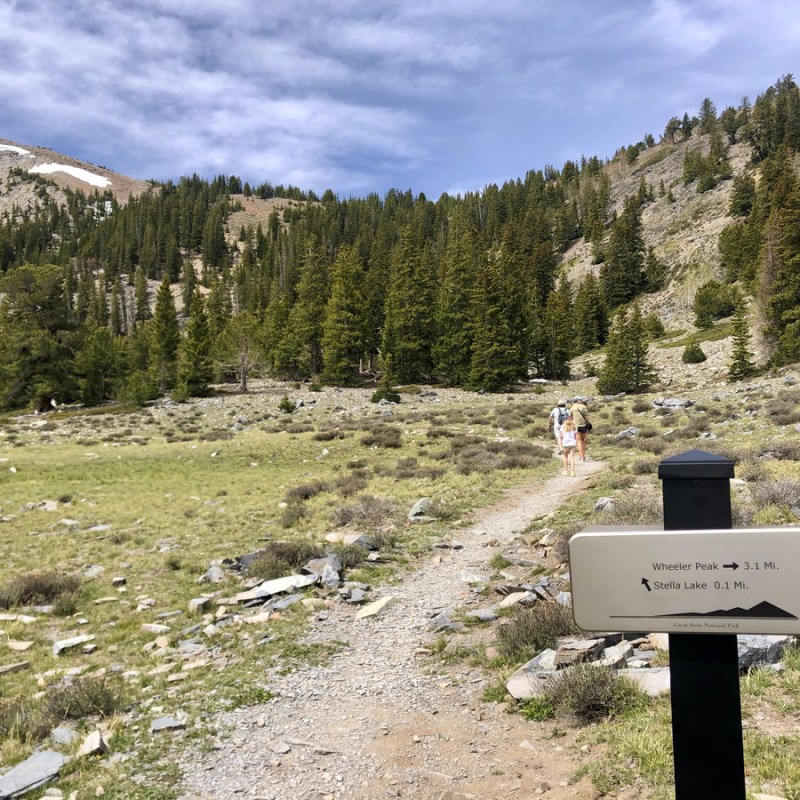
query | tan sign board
(741,580)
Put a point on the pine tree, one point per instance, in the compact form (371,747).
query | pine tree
(408,323)
(343,330)
(495,364)
(38,338)
(97,366)
(622,276)
(165,337)
(141,301)
(194,359)
(452,348)
(589,318)
(307,316)
(741,366)
(626,368)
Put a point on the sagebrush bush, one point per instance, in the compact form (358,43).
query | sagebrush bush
(307,490)
(590,693)
(368,511)
(349,485)
(775,493)
(642,505)
(385,436)
(277,559)
(531,629)
(34,588)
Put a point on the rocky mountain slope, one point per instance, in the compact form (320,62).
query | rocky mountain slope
(62,170)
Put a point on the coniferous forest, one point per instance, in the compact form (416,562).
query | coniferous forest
(102,301)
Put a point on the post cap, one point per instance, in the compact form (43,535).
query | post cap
(695,464)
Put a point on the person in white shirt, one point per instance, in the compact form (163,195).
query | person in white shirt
(557,417)
(569,442)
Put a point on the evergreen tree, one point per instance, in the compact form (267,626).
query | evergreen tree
(307,316)
(741,366)
(141,301)
(626,368)
(37,338)
(655,271)
(188,284)
(165,337)
(495,364)
(343,330)
(408,323)
(590,317)
(194,359)
(622,276)
(453,345)
(97,365)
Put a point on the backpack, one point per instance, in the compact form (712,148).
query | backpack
(551,422)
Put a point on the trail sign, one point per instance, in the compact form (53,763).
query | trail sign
(734,581)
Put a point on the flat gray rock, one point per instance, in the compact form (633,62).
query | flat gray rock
(31,773)
(653,681)
(166,724)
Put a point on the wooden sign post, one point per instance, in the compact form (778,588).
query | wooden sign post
(702,582)
(704,668)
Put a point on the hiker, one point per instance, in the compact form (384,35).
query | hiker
(557,417)
(569,441)
(580,415)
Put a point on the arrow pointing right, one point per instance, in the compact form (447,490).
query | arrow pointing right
(732,565)
(646,584)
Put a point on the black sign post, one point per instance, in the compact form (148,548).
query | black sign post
(704,668)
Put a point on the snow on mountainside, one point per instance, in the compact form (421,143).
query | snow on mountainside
(65,172)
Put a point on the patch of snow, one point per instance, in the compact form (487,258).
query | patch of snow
(76,172)
(18,150)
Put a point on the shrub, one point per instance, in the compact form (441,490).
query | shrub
(693,354)
(37,588)
(369,511)
(282,558)
(385,436)
(94,694)
(713,301)
(591,693)
(640,506)
(775,493)
(293,513)
(307,490)
(286,405)
(531,629)
(348,485)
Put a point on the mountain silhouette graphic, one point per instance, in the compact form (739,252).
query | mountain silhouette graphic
(762,610)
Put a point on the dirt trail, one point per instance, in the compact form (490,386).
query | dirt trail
(384,718)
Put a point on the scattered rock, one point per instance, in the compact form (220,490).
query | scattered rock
(67,644)
(376,608)
(166,724)
(31,773)
(94,744)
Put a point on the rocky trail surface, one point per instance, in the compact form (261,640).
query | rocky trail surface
(383,718)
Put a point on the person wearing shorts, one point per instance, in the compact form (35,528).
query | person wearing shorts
(580,414)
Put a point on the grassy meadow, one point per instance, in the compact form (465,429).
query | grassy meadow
(156,495)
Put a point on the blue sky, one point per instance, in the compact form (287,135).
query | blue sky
(434,96)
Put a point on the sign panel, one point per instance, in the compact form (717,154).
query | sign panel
(741,580)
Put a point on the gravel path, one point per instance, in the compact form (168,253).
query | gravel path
(385,719)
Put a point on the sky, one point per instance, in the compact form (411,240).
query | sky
(362,96)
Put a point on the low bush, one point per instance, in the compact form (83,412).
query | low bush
(531,629)
(590,693)
(307,490)
(693,354)
(282,558)
(34,588)
(368,511)
(384,436)
(775,493)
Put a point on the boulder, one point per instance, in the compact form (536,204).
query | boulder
(755,651)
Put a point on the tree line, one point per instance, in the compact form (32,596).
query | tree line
(466,291)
